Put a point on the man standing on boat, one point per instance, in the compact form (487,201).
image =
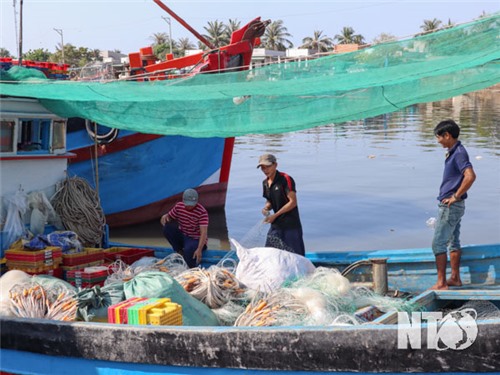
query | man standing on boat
(189,238)
(458,177)
(280,194)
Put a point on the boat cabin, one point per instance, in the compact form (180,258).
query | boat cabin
(32,147)
(33,153)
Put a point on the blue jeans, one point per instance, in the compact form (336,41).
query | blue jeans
(286,239)
(181,243)
(447,230)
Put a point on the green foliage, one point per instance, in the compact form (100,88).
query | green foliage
(275,37)
(38,54)
(318,42)
(76,56)
(216,33)
(4,52)
(348,36)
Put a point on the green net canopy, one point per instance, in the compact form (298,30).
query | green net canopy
(287,96)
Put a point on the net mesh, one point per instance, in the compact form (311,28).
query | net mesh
(288,96)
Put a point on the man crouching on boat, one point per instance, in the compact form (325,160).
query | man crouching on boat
(189,237)
(458,177)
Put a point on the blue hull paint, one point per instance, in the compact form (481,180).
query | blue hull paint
(150,172)
(32,363)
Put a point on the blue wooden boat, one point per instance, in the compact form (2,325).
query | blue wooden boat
(48,347)
(164,166)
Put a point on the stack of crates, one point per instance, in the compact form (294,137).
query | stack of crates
(88,277)
(88,257)
(5,63)
(146,311)
(35,262)
(127,255)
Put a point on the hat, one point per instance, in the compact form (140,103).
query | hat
(190,197)
(267,160)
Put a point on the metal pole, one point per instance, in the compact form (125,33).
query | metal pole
(60,32)
(169,21)
(379,270)
(20,59)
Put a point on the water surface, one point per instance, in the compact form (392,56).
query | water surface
(368,184)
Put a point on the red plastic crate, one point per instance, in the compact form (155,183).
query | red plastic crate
(50,252)
(130,255)
(87,276)
(88,255)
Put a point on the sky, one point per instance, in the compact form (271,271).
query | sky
(128,25)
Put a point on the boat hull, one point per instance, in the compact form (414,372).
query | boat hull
(367,348)
(36,346)
(141,176)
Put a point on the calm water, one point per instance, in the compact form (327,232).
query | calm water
(368,184)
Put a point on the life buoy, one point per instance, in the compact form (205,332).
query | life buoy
(101,138)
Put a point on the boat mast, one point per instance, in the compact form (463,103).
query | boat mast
(184,23)
(20,47)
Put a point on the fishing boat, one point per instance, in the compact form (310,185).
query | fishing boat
(118,161)
(383,345)
(229,105)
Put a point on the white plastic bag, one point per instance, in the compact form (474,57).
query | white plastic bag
(266,269)
(14,225)
(7,281)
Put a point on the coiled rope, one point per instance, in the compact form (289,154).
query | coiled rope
(79,208)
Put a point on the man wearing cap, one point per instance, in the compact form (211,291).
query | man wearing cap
(280,194)
(189,238)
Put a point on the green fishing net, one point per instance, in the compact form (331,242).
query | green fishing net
(289,96)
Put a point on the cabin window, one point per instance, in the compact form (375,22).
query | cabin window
(34,136)
(59,136)
(7,135)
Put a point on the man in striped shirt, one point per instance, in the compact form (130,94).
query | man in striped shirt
(189,237)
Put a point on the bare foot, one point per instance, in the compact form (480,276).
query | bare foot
(439,287)
(454,282)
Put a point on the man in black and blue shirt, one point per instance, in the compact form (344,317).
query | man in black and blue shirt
(458,177)
(280,194)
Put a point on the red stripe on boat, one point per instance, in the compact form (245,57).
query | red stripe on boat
(120,144)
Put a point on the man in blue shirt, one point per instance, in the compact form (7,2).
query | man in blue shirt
(458,177)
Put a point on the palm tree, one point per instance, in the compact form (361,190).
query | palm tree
(430,25)
(347,36)
(184,44)
(231,27)
(159,38)
(275,37)
(216,33)
(318,42)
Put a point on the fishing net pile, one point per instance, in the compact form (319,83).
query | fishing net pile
(265,287)
(288,96)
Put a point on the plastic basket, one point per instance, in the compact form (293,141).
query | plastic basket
(33,256)
(88,255)
(128,255)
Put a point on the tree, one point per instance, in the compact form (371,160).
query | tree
(430,25)
(384,38)
(76,56)
(38,54)
(348,36)
(183,44)
(216,33)
(318,42)
(4,52)
(275,37)
(159,38)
